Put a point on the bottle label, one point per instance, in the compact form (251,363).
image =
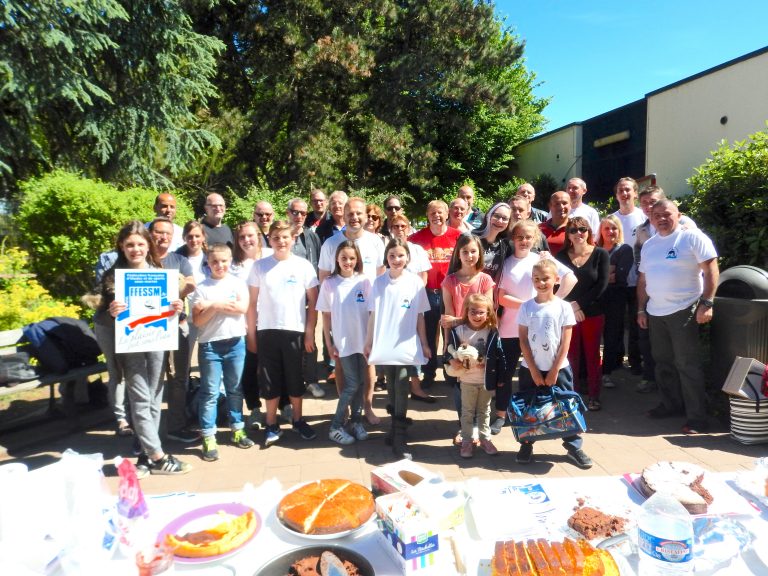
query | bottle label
(665,550)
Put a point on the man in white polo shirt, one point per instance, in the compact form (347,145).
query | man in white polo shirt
(675,293)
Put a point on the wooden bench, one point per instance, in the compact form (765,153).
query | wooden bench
(8,345)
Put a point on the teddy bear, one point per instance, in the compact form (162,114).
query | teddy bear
(466,354)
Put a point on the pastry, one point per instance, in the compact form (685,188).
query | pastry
(326,507)
(681,480)
(592,523)
(543,558)
(220,539)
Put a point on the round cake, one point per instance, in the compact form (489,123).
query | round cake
(326,507)
(681,480)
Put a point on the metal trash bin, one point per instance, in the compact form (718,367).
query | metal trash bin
(740,319)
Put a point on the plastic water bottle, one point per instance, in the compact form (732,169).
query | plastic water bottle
(665,537)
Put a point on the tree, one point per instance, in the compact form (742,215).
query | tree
(386,95)
(110,87)
(730,200)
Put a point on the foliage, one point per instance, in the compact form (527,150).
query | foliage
(730,200)
(85,85)
(66,221)
(384,95)
(22,299)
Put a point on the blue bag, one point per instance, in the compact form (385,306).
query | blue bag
(546,412)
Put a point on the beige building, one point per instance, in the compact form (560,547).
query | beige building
(668,133)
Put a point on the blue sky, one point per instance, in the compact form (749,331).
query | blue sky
(592,56)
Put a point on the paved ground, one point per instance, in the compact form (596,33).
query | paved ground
(620,439)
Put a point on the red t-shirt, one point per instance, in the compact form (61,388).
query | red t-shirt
(555,236)
(439,250)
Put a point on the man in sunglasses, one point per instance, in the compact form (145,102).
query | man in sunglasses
(264,215)
(306,245)
(392,207)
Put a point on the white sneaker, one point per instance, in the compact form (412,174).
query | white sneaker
(341,436)
(358,431)
(316,390)
(607,382)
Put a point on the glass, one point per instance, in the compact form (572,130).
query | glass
(155,560)
(580,230)
(293,213)
(500,218)
(215,205)
(395,208)
(373,216)
(158,233)
(270,214)
(399,226)
(478,312)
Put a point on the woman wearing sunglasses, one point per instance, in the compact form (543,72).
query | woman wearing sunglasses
(591,266)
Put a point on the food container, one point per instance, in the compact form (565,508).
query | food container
(412,536)
(398,476)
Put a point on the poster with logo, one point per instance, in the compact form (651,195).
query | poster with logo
(149,323)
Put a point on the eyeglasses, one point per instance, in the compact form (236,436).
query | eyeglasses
(269,214)
(159,233)
(580,230)
(478,311)
(500,218)
(294,213)
(373,216)
(399,226)
(214,206)
(395,208)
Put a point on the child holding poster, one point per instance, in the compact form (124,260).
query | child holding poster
(219,305)
(143,371)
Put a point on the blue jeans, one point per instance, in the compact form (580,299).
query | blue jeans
(217,358)
(351,395)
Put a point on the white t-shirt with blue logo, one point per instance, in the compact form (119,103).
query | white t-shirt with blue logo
(347,301)
(673,279)
(371,249)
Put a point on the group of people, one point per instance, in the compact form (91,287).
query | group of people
(514,285)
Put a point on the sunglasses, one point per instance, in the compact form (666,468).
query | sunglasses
(264,214)
(373,216)
(395,208)
(580,230)
(297,212)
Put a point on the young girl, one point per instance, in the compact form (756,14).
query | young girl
(516,287)
(477,378)
(465,277)
(616,295)
(219,305)
(143,371)
(281,325)
(248,249)
(396,336)
(343,300)
(194,249)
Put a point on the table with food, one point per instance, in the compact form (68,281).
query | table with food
(407,521)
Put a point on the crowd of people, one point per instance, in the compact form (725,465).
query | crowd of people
(544,296)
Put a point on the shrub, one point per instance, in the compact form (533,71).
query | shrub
(22,299)
(66,221)
(730,200)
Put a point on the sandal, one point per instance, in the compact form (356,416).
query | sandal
(594,405)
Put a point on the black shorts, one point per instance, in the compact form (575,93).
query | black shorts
(280,363)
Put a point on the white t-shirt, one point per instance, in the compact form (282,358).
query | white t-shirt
(673,279)
(419,261)
(347,301)
(590,214)
(517,280)
(243,269)
(221,326)
(199,273)
(397,304)
(371,249)
(283,286)
(545,324)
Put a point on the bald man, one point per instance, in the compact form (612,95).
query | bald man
(165,207)
(216,232)
(576,189)
(474,216)
(528,192)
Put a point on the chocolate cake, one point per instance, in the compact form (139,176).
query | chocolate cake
(592,523)
(681,480)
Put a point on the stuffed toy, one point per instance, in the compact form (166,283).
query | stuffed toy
(466,354)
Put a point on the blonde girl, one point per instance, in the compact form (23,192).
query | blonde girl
(343,301)
(478,377)
(249,247)
(396,336)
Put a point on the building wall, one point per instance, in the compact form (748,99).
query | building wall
(684,120)
(557,153)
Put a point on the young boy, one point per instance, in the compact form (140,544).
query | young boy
(545,324)
(281,326)
(219,305)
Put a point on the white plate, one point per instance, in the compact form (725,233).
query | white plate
(333,536)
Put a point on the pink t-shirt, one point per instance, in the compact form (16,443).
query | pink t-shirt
(481,284)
